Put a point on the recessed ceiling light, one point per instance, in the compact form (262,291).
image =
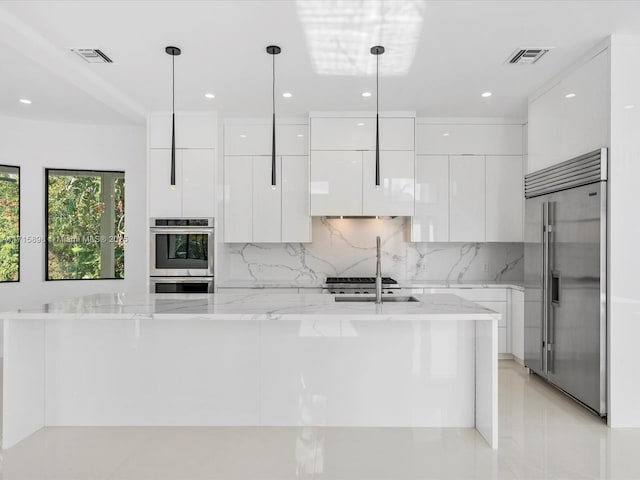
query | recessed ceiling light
(26,101)
(366,94)
(287,94)
(570,95)
(242,135)
(300,135)
(486,94)
(628,107)
(445,134)
(360,124)
(209,95)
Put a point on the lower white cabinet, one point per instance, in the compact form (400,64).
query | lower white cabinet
(194,192)
(255,210)
(516,315)
(467,198)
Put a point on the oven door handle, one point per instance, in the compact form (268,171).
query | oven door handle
(182,231)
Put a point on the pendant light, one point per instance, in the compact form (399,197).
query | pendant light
(273,50)
(377,51)
(173,51)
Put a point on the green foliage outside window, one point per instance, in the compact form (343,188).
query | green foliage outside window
(9,224)
(85,228)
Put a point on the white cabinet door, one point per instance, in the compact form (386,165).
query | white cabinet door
(343,133)
(193,130)
(247,140)
(394,196)
(505,198)
(452,139)
(467,198)
(516,322)
(336,183)
(397,134)
(267,200)
(296,222)
(431,220)
(292,140)
(238,200)
(198,183)
(164,200)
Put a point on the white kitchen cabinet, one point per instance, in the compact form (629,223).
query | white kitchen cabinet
(193,194)
(296,221)
(241,139)
(430,222)
(505,198)
(198,181)
(467,198)
(561,127)
(351,133)
(468,139)
(238,199)
(336,183)
(395,195)
(267,201)
(257,212)
(193,130)
(516,317)
(164,200)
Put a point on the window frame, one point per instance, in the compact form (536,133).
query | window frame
(78,173)
(19,239)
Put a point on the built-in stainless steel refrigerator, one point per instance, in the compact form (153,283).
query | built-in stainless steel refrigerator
(565,263)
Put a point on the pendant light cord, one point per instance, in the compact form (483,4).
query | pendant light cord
(273,84)
(173,84)
(377,74)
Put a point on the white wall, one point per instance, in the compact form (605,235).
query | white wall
(34,146)
(624,232)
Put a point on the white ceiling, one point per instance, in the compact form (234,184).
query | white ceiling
(441,55)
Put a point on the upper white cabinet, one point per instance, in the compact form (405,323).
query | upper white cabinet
(336,183)
(395,194)
(360,133)
(467,198)
(572,116)
(431,220)
(254,210)
(194,192)
(256,139)
(193,130)
(343,166)
(504,198)
(467,139)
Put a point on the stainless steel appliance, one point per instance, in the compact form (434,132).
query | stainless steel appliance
(565,263)
(359,285)
(182,247)
(181,284)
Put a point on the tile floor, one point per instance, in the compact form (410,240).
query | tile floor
(543,435)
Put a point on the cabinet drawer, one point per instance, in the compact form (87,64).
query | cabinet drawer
(474,294)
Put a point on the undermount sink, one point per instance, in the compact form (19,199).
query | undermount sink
(385,299)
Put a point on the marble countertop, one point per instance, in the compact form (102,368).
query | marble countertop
(306,283)
(252,307)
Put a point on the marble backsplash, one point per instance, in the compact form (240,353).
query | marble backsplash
(346,247)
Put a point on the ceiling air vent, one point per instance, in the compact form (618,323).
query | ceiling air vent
(92,55)
(526,56)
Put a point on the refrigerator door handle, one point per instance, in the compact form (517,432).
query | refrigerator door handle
(545,289)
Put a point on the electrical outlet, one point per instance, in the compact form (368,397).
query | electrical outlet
(485,267)
(423,267)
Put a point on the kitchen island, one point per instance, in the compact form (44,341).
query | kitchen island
(250,360)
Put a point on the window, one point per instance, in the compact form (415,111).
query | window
(85,225)
(9,223)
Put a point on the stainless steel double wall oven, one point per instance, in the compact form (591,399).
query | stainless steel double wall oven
(181,255)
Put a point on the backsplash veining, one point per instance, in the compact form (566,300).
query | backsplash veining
(346,247)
